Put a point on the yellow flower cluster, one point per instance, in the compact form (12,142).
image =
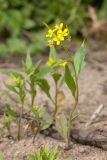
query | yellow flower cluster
(51,62)
(57,34)
(16,80)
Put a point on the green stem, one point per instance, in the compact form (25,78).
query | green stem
(32,88)
(74,108)
(69,123)
(32,100)
(76,99)
(19,123)
(56,94)
(35,134)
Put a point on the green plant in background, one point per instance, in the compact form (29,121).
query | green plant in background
(18,88)
(21,22)
(45,154)
(7,120)
(73,65)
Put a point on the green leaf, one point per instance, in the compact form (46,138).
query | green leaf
(35,156)
(44,70)
(10,111)
(28,63)
(70,81)
(62,125)
(43,84)
(10,87)
(54,153)
(28,23)
(79,59)
(46,119)
(12,74)
(56,76)
(53,54)
(45,126)
(7,120)
(44,152)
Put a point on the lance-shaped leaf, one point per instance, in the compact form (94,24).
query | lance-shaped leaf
(28,65)
(43,84)
(44,70)
(79,59)
(70,81)
(12,73)
(10,87)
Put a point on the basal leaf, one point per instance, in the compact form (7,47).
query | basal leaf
(62,125)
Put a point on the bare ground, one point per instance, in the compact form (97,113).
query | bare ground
(93,92)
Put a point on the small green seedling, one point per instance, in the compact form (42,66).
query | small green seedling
(17,87)
(31,72)
(41,120)
(7,121)
(45,154)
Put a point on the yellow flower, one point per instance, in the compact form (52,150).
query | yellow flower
(63,64)
(64,32)
(50,62)
(60,37)
(59,26)
(57,40)
(16,80)
(50,33)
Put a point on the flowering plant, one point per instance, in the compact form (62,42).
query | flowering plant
(72,67)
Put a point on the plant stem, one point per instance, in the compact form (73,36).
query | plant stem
(56,94)
(69,123)
(19,123)
(35,134)
(76,100)
(74,107)
(32,88)
(32,100)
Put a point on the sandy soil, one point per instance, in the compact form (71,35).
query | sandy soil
(93,92)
